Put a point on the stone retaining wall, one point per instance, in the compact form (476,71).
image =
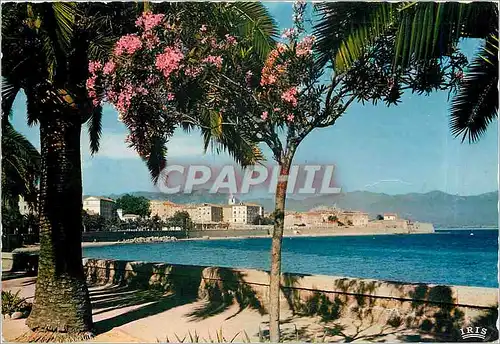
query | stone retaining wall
(441,310)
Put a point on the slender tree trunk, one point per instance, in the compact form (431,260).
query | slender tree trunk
(277,236)
(62,303)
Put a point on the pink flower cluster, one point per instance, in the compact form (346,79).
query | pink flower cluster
(304,47)
(109,68)
(94,67)
(290,117)
(271,70)
(215,60)
(231,40)
(290,96)
(125,99)
(169,60)
(264,115)
(151,39)
(193,71)
(287,33)
(91,89)
(149,20)
(128,44)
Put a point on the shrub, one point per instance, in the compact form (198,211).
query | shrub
(14,303)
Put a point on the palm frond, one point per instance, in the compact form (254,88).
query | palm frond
(476,104)
(157,160)
(227,138)
(65,14)
(336,22)
(94,124)
(354,46)
(421,30)
(9,93)
(254,21)
(21,164)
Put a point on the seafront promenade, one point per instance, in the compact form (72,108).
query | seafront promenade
(256,231)
(147,302)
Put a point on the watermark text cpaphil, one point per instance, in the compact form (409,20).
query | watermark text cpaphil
(302,179)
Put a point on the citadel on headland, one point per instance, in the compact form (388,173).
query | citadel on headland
(236,216)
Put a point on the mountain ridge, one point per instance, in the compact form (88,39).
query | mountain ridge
(438,207)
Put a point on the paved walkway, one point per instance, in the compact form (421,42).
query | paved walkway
(124,315)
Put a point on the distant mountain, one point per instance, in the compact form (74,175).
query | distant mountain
(439,208)
(197,196)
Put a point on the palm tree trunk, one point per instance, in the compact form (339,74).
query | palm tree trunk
(277,236)
(62,303)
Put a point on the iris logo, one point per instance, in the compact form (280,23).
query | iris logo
(473,332)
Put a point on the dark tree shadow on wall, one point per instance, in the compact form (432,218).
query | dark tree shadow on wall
(431,313)
(147,289)
(222,288)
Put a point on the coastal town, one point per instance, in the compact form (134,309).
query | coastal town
(103,216)
(241,215)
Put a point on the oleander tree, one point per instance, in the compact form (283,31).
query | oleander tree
(277,102)
(46,48)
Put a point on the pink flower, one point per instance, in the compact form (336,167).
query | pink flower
(142,90)
(203,28)
(151,39)
(111,96)
(168,61)
(170,97)
(264,115)
(193,71)
(125,99)
(304,47)
(150,80)
(149,21)
(281,48)
(94,66)
(290,96)
(128,44)
(276,109)
(215,60)
(231,40)
(96,102)
(91,82)
(290,117)
(287,33)
(109,67)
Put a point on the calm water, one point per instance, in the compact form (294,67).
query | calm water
(447,257)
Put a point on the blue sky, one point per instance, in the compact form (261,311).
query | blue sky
(401,149)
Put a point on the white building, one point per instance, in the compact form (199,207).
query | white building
(246,213)
(208,213)
(129,217)
(100,206)
(390,217)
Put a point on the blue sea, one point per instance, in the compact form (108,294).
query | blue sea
(453,257)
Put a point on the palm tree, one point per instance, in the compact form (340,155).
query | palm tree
(422,31)
(46,49)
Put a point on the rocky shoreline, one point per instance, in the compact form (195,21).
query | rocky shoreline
(142,240)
